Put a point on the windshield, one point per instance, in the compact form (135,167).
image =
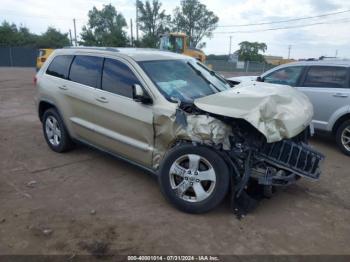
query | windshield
(183,80)
(172,43)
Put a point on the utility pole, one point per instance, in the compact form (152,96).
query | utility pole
(132,34)
(75,32)
(137,21)
(70,37)
(336,53)
(289,48)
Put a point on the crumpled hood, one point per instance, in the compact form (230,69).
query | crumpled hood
(243,79)
(277,111)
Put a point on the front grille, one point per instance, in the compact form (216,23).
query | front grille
(298,158)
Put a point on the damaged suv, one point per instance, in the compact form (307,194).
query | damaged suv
(173,116)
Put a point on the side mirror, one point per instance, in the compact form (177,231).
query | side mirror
(260,79)
(139,95)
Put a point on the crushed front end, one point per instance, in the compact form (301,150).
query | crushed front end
(259,167)
(260,131)
(268,142)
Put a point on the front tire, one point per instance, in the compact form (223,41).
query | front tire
(343,137)
(195,179)
(55,132)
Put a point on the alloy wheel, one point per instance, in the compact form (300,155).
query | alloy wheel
(53,131)
(345,138)
(192,177)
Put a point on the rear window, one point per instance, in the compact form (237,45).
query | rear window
(86,70)
(326,76)
(59,66)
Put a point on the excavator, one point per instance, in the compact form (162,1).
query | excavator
(177,42)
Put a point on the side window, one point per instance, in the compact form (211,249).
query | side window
(86,70)
(326,76)
(59,66)
(117,78)
(285,76)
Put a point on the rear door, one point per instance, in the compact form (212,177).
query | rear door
(123,126)
(56,82)
(84,75)
(328,90)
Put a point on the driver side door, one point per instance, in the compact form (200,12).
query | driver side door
(124,126)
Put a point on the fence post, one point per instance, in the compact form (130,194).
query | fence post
(11,59)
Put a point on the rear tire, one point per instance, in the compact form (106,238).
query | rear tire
(55,132)
(195,179)
(343,137)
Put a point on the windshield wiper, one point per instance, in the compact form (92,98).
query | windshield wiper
(213,73)
(202,76)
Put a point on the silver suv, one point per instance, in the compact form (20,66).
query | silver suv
(174,117)
(327,85)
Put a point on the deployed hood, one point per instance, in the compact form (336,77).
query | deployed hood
(277,111)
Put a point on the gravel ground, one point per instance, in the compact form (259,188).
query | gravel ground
(85,201)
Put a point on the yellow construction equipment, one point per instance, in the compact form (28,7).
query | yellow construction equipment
(43,54)
(177,42)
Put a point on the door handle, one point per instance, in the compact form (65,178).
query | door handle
(340,95)
(63,87)
(102,99)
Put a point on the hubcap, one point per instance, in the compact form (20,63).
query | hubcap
(345,138)
(192,177)
(53,131)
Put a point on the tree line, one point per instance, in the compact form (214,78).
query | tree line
(108,27)
(12,35)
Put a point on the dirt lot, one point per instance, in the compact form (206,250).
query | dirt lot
(84,200)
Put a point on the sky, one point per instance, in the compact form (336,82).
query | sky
(326,35)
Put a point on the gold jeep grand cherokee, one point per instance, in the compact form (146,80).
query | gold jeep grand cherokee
(173,116)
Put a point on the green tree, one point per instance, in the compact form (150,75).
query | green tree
(249,51)
(10,35)
(105,28)
(26,38)
(53,38)
(194,19)
(152,21)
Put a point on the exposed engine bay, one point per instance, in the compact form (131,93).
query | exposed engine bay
(257,167)
(264,166)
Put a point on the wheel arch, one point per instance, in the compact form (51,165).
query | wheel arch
(43,106)
(339,121)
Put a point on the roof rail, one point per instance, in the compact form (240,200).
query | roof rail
(113,49)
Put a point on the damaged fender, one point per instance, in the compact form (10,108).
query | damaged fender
(201,128)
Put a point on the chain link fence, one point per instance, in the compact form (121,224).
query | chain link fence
(18,56)
(228,68)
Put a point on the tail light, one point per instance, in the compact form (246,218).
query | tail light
(34,80)
(43,59)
